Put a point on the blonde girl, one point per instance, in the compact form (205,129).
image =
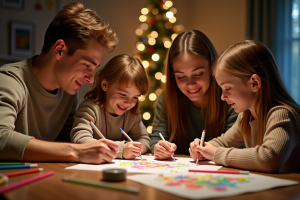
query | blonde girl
(112,104)
(190,101)
(268,122)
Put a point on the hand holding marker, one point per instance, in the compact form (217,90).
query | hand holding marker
(162,137)
(201,144)
(128,139)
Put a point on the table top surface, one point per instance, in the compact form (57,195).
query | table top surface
(54,188)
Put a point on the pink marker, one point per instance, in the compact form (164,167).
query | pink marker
(220,171)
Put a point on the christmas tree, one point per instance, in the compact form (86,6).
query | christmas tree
(155,35)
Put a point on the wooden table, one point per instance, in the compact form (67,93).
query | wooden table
(53,188)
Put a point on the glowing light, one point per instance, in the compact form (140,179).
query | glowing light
(167,44)
(145,11)
(145,64)
(173,10)
(168,25)
(154,11)
(144,26)
(142,98)
(152,97)
(140,46)
(174,35)
(149,36)
(143,18)
(158,75)
(165,39)
(139,31)
(151,41)
(154,34)
(146,116)
(178,28)
(169,4)
(158,91)
(155,57)
(165,7)
(169,14)
(163,78)
(149,129)
(172,20)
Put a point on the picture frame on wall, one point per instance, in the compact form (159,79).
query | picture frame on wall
(22,38)
(14,4)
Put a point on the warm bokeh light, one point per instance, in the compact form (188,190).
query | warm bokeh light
(139,32)
(163,78)
(142,18)
(178,28)
(151,41)
(145,64)
(158,75)
(158,91)
(174,35)
(154,11)
(144,26)
(149,129)
(172,20)
(168,25)
(146,116)
(140,46)
(142,98)
(167,44)
(154,34)
(169,4)
(145,11)
(165,7)
(173,10)
(152,97)
(169,14)
(155,57)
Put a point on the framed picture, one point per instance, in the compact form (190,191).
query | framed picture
(15,4)
(22,36)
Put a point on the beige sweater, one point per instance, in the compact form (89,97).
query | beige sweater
(88,111)
(28,111)
(280,149)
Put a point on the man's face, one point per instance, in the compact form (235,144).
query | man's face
(71,72)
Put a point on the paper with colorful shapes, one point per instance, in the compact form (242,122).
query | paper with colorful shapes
(150,165)
(205,185)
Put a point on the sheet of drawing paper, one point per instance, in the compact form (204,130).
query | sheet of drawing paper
(205,185)
(150,165)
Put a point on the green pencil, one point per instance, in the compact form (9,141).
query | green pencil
(101,184)
(13,163)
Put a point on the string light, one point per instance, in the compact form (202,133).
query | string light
(172,20)
(178,28)
(142,98)
(168,25)
(151,41)
(167,44)
(145,11)
(158,75)
(144,26)
(139,32)
(152,97)
(155,57)
(149,129)
(174,35)
(169,14)
(173,10)
(163,78)
(140,46)
(154,11)
(154,34)
(146,116)
(169,4)
(142,18)
(145,64)
(165,7)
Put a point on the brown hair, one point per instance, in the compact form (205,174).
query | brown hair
(245,59)
(121,69)
(76,25)
(191,42)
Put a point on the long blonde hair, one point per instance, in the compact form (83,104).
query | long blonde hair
(191,42)
(122,69)
(245,59)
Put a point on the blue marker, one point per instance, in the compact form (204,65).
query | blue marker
(128,139)
(18,166)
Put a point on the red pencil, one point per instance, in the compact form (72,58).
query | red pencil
(220,171)
(21,172)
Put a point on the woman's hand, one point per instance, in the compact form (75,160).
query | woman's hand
(163,150)
(208,151)
(193,149)
(131,150)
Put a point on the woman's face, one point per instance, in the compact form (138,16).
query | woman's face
(192,75)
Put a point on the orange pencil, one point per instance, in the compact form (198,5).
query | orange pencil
(21,172)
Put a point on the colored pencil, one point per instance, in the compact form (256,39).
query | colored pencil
(24,182)
(102,184)
(14,163)
(97,130)
(220,171)
(129,139)
(162,137)
(201,144)
(21,172)
(18,166)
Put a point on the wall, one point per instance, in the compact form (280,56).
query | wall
(223,22)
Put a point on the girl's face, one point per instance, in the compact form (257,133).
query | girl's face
(192,75)
(239,95)
(119,99)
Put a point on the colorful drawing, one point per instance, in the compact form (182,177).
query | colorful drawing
(146,164)
(216,183)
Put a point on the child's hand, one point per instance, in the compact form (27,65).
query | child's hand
(163,150)
(207,151)
(131,150)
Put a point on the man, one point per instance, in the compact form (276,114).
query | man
(38,95)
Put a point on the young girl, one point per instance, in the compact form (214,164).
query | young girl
(191,98)
(112,104)
(268,122)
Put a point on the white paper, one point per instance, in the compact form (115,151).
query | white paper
(218,185)
(150,165)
